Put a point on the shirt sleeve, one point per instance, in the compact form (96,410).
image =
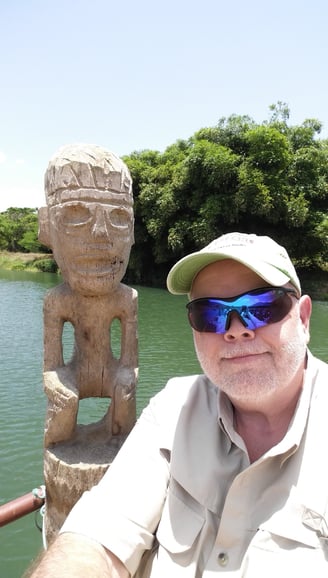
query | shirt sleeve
(123,511)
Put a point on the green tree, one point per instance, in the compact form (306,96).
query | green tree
(19,230)
(269,178)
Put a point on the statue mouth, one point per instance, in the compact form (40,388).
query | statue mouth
(97,264)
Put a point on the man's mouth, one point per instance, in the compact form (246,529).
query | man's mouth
(243,356)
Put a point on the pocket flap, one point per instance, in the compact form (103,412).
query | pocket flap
(289,524)
(179,526)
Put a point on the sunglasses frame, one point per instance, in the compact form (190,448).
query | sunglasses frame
(242,311)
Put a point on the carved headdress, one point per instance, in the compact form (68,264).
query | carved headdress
(85,167)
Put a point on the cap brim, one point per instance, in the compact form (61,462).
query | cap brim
(183,273)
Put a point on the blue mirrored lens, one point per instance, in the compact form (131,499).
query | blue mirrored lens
(255,309)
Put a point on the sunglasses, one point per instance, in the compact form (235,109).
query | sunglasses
(255,309)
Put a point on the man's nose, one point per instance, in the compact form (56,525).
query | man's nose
(236,327)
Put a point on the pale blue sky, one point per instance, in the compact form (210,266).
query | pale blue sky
(136,74)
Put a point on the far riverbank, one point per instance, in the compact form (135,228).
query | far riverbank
(12,261)
(315,283)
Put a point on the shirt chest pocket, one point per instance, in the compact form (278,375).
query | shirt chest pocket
(181,523)
(286,546)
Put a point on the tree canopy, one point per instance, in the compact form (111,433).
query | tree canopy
(19,230)
(268,178)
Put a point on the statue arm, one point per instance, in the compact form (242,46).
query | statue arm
(123,398)
(75,556)
(53,333)
(129,353)
(127,313)
(129,327)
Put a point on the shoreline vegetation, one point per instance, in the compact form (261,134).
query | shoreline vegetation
(33,262)
(315,282)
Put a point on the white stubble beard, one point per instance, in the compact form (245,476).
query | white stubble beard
(253,383)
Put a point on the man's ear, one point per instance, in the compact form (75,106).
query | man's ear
(44,231)
(305,313)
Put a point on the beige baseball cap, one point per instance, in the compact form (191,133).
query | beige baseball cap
(261,254)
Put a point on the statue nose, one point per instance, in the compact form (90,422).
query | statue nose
(100,226)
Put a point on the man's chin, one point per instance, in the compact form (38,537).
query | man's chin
(248,387)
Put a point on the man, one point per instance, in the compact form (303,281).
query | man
(226,475)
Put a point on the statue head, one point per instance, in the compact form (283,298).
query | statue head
(88,220)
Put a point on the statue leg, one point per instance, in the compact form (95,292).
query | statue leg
(123,408)
(63,404)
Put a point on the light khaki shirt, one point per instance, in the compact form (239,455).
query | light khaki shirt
(184,476)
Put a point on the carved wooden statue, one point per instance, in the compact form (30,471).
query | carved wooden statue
(88,224)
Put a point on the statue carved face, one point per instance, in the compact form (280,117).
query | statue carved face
(91,241)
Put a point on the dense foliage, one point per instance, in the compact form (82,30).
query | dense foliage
(19,231)
(268,178)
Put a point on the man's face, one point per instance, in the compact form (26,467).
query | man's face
(250,365)
(91,241)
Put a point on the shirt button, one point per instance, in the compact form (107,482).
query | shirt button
(223,559)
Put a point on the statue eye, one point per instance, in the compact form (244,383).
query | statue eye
(120,218)
(73,215)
